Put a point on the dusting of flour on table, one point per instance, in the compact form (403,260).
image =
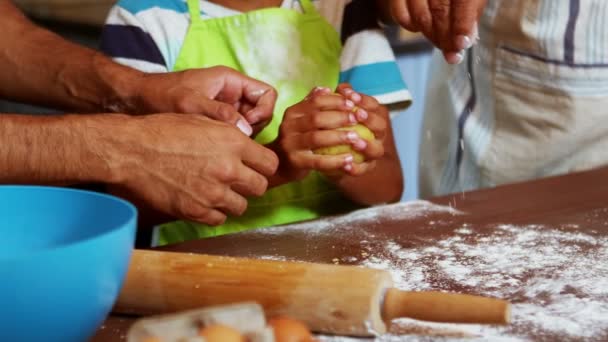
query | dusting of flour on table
(557,280)
(556,277)
(398,211)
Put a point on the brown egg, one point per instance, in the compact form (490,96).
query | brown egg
(221,333)
(152,339)
(290,330)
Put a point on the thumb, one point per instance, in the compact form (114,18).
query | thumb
(226,113)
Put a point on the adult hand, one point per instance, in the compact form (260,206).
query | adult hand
(188,166)
(450,24)
(28,73)
(219,93)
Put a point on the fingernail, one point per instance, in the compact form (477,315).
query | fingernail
(349,104)
(352,119)
(463,42)
(352,136)
(361,144)
(362,114)
(355,97)
(245,127)
(259,92)
(348,167)
(454,58)
(321,90)
(349,159)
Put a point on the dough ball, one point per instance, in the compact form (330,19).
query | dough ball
(364,133)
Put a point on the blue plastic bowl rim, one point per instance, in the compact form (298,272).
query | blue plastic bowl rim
(127,204)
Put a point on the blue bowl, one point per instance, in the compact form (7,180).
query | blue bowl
(63,257)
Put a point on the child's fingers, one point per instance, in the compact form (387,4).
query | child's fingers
(370,149)
(322,120)
(369,103)
(332,102)
(377,124)
(360,114)
(325,163)
(347,91)
(317,139)
(361,100)
(360,169)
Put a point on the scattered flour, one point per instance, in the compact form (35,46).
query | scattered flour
(272,257)
(556,279)
(399,211)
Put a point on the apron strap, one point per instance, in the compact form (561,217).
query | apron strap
(307,6)
(194,8)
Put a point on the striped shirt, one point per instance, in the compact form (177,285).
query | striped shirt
(531,99)
(148,35)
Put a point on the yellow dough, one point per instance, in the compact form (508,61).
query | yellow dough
(364,133)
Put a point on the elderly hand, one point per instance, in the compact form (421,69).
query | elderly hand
(219,93)
(450,24)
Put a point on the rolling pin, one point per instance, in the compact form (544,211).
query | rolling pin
(343,300)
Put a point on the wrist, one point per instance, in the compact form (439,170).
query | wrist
(107,145)
(123,86)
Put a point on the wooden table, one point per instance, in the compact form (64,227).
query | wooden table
(541,244)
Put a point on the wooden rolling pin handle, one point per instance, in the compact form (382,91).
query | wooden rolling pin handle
(444,307)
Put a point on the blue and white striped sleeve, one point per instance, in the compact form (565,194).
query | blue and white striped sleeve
(125,39)
(368,62)
(145,34)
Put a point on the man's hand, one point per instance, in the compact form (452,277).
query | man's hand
(219,93)
(37,66)
(188,166)
(184,165)
(450,24)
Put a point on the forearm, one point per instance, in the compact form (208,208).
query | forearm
(384,184)
(37,66)
(57,149)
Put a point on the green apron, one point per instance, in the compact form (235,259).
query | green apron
(293,52)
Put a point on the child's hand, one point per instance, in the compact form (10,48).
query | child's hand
(312,124)
(374,116)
